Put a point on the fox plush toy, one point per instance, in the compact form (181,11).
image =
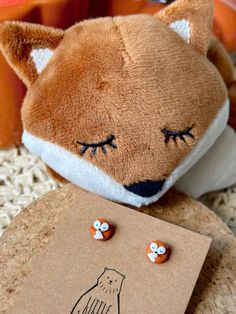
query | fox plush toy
(126,106)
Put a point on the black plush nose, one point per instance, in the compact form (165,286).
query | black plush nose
(146,188)
(110,281)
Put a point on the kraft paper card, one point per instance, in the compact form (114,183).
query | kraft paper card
(80,275)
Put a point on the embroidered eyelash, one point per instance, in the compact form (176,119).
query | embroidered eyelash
(170,134)
(109,141)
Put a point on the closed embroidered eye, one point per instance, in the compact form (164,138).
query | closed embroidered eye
(94,146)
(174,134)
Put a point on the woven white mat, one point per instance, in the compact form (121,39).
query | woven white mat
(23,179)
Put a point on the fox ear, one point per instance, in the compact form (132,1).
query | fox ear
(28,47)
(192,20)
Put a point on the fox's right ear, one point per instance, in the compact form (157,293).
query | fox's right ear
(28,47)
(191,19)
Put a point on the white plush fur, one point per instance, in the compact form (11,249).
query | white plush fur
(85,174)
(40,57)
(182,27)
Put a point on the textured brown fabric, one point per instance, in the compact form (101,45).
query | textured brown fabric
(218,55)
(55,175)
(130,77)
(17,41)
(200,15)
(232,96)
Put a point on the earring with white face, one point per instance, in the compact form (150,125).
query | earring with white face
(102,229)
(157,252)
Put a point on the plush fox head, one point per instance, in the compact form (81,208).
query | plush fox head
(121,106)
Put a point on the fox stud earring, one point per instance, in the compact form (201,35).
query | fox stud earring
(157,252)
(101,229)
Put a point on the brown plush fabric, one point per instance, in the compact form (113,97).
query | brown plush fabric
(232,96)
(17,41)
(131,77)
(218,55)
(55,175)
(200,15)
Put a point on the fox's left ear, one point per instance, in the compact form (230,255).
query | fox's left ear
(192,20)
(28,47)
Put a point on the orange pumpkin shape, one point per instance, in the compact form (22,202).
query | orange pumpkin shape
(157,252)
(101,229)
